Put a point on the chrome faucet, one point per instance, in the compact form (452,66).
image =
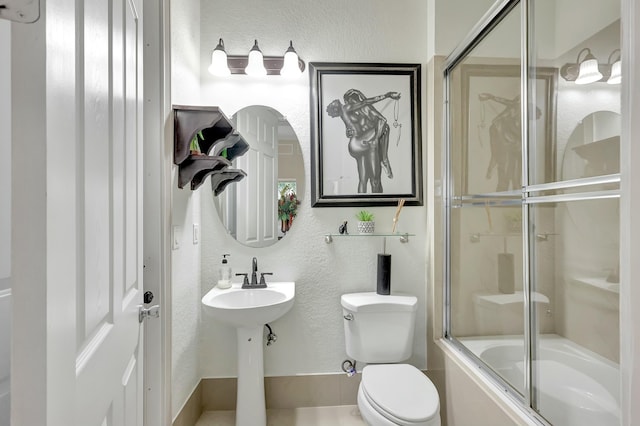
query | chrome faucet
(254,277)
(254,272)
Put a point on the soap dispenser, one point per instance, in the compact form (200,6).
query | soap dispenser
(224,273)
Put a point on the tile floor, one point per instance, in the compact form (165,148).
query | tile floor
(342,415)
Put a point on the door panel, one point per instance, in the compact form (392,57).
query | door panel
(76,93)
(108,385)
(258,191)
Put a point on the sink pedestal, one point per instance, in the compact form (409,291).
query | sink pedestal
(250,402)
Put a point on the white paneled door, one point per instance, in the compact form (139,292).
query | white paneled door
(258,191)
(108,199)
(82,98)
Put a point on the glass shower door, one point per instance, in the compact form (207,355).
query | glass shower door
(573,199)
(532,187)
(485,234)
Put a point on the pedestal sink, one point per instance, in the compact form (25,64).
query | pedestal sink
(248,310)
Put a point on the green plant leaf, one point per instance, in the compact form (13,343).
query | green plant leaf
(364,216)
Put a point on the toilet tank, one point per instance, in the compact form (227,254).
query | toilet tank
(377,328)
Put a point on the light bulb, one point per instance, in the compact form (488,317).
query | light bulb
(255,65)
(219,66)
(616,73)
(589,72)
(290,67)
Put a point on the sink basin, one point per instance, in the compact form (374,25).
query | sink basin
(250,307)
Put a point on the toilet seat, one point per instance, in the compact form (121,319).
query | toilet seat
(400,393)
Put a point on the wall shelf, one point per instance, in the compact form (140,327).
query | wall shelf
(220,145)
(404,237)
(602,156)
(540,237)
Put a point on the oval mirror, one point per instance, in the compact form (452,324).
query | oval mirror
(260,209)
(593,149)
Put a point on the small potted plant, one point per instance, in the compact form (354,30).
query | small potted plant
(366,225)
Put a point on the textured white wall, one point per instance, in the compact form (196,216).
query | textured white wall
(453,21)
(597,13)
(455,18)
(310,336)
(5,158)
(185,266)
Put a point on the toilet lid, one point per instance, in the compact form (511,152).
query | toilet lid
(400,392)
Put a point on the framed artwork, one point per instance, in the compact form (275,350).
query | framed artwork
(365,134)
(491,133)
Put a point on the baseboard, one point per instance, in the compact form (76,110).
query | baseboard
(317,390)
(191,410)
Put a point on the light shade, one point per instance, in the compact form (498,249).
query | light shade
(616,73)
(589,72)
(255,66)
(219,65)
(291,67)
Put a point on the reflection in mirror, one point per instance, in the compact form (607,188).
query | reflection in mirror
(259,210)
(593,149)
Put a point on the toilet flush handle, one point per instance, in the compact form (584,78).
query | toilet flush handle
(348,317)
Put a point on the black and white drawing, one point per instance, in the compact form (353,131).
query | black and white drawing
(365,134)
(368,134)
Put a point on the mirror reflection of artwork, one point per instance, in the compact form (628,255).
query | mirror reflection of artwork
(492,155)
(505,133)
(253,211)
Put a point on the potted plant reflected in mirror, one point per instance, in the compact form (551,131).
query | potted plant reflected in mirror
(366,225)
(194,146)
(287,207)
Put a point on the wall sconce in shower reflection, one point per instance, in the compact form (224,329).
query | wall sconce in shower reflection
(587,70)
(255,64)
(615,76)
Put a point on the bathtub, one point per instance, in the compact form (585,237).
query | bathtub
(576,387)
(5,340)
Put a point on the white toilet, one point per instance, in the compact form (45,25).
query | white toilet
(379,331)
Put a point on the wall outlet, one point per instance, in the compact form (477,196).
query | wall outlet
(196,233)
(175,238)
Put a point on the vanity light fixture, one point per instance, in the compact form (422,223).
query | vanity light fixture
(588,71)
(219,64)
(255,64)
(615,77)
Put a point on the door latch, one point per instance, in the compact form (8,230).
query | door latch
(151,312)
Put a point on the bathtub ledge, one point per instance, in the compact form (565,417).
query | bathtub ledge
(507,403)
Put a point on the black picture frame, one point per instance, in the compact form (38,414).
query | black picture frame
(348,168)
(504,81)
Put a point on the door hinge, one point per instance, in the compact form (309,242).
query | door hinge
(152,312)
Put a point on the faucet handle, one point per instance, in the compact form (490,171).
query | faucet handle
(245,281)
(262,280)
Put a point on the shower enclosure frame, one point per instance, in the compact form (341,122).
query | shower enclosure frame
(527,198)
